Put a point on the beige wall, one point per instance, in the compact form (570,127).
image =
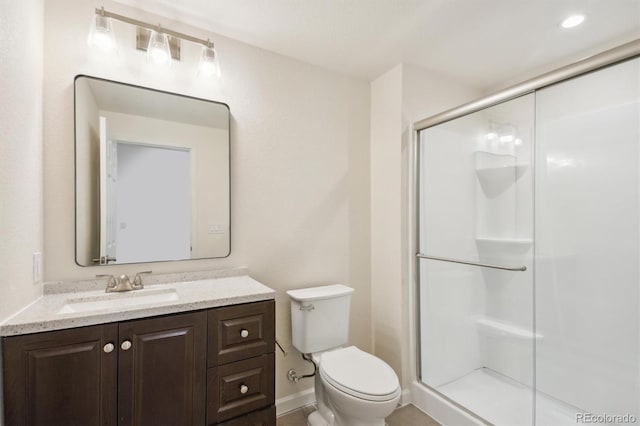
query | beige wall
(21,27)
(386,199)
(399,97)
(299,162)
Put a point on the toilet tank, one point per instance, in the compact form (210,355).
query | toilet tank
(320,317)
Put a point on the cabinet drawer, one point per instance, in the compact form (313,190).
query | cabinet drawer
(240,332)
(264,417)
(240,387)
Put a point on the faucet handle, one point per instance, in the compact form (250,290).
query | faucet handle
(112,283)
(137,280)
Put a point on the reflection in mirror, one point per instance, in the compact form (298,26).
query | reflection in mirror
(152,175)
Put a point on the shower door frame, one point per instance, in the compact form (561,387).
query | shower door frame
(627,51)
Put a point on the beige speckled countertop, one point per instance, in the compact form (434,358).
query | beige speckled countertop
(52,311)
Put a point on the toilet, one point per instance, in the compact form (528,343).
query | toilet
(352,387)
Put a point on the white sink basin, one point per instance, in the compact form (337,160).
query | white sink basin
(119,300)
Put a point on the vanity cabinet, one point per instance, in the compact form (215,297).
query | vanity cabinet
(205,367)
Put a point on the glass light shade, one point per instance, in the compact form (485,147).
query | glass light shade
(101,34)
(209,66)
(158,51)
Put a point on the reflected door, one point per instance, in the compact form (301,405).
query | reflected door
(153,203)
(475,271)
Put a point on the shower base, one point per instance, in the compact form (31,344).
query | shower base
(503,401)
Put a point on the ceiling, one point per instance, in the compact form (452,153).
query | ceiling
(481,42)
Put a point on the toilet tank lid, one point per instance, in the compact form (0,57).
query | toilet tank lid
(319,293)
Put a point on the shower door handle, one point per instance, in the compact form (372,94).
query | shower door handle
(465,262)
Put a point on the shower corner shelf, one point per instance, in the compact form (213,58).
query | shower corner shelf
(493,327)
(497,171)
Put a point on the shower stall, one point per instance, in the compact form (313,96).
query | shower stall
(528,248)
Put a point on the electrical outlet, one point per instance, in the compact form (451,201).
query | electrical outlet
(37,267)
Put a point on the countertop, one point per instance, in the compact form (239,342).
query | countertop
(55,310)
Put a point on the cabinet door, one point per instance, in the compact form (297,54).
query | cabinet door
(65,377)
(162,376)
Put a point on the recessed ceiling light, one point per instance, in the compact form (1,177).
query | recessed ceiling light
(572,21)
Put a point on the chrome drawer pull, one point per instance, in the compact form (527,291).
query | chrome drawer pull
(244,333)
(109,347)
(126,345)
(244,389)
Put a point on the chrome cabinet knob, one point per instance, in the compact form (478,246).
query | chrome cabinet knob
(244,389)
(126,345)
(108,348)
(244,333)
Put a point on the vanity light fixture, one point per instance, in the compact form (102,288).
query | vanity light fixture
(161,44)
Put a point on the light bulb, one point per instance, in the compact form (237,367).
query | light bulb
(158,51)
(573,21)
(209,66)
(101,35)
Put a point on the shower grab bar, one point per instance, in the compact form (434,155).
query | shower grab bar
(464,262)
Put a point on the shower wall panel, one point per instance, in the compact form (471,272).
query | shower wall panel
(587,241)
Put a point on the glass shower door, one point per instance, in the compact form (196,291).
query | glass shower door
(588,248)
(475,199)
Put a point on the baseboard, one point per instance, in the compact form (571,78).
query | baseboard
(295,401)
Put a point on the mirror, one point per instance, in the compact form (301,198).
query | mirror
(152,175)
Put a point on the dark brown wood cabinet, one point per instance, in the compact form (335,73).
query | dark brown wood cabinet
(161,376)
(240,387)
(61,377)
(241,361)
(240,332)
(153,371)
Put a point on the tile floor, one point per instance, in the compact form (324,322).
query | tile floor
(403,416)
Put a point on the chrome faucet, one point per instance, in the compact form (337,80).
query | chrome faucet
(123,283)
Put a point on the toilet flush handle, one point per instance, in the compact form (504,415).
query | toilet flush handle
(307,307)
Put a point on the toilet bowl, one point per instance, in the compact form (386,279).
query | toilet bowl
(358,388)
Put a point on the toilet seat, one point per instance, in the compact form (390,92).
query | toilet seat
(359,374)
